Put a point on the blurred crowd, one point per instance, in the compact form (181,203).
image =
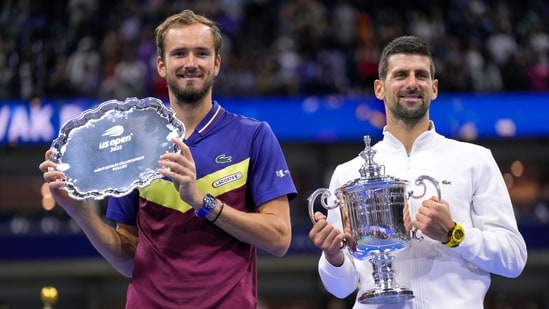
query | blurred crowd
(106,49)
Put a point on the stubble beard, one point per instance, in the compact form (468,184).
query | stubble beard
(189,96)
(409,116)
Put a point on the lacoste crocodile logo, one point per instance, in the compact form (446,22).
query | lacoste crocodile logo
(446,182)
(222,158)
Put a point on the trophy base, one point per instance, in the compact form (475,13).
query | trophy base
(385,296)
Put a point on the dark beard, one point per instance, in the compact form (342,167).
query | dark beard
(410,117)
(189,97)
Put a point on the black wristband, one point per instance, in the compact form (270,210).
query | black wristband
(219,213)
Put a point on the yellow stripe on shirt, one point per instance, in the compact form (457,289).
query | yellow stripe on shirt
(163,192)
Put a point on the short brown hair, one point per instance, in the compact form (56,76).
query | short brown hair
(186,17)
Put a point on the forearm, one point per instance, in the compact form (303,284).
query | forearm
(494,242)
(499,252)
(340,280)
(117,247)
(269,229)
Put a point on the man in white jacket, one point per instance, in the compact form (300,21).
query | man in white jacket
(443,270)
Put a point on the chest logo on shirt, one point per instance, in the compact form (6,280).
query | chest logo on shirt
(282,173)
(222,158)
(227,179)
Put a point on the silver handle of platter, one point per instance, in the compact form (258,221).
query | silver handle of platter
(324,195)
(421,181)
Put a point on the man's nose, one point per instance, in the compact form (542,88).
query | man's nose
(191,60)
(412,81)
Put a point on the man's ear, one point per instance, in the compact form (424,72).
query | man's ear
(435,89)
(160,67)
(378,89)
(217,65)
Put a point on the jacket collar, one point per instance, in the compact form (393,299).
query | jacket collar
(424,140)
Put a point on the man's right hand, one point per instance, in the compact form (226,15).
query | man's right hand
(56,182)
(328,238)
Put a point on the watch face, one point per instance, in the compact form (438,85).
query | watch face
(458,234)
(209,201)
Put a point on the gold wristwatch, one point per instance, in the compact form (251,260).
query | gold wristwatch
(455,236)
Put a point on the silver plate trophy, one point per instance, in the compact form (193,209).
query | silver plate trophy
(115,148)
(372,212)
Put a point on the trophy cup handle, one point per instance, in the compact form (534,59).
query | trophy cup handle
(420,181)
(324,195)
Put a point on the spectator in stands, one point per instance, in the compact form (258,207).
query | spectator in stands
(249,25)
(83,68)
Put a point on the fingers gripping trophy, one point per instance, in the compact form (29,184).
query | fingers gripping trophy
(372,210)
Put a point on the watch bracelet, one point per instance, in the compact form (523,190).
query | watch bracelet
(210,203)
(451,243)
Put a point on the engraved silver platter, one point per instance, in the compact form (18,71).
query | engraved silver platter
(115,148)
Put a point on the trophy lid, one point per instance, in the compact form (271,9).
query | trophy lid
(370,169)
(372,173)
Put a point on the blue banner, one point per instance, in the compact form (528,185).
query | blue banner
(317,119)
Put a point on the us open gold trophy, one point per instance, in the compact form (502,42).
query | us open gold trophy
(372,210)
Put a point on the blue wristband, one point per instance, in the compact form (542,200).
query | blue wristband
(210,203)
